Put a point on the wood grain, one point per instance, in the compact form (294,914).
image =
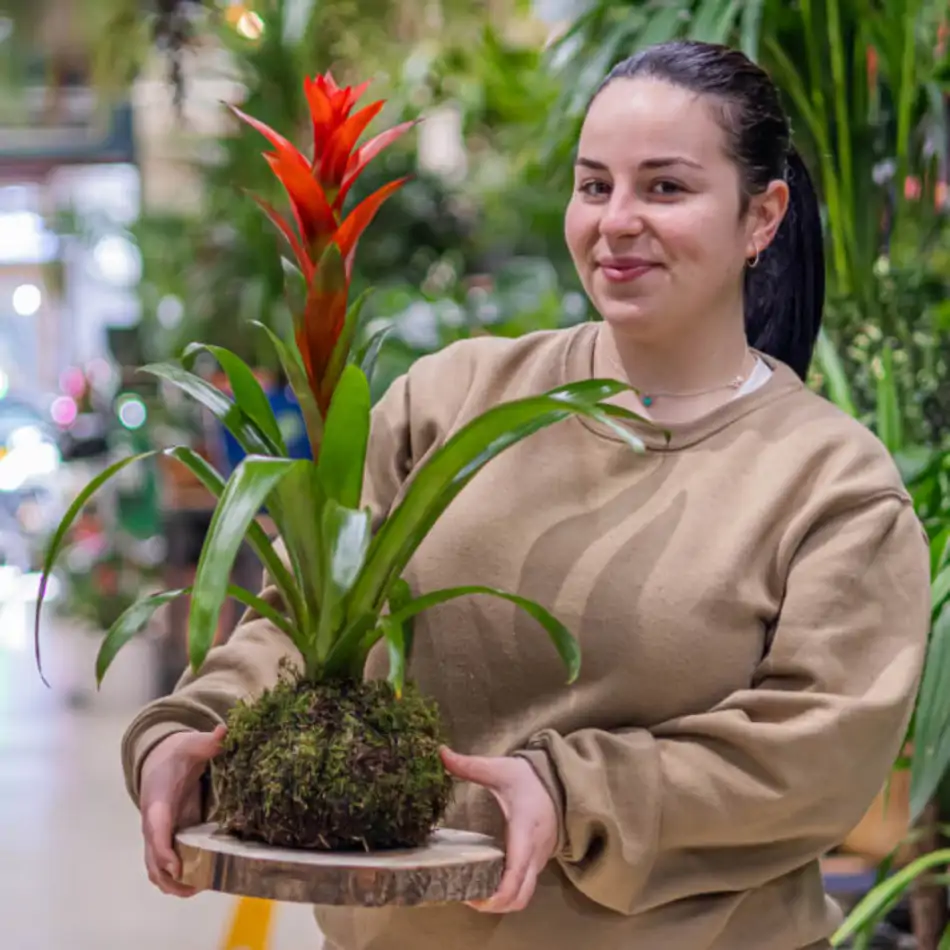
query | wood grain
(455,866)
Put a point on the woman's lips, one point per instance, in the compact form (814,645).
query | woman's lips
(620,272)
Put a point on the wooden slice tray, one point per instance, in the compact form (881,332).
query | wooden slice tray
(454,866)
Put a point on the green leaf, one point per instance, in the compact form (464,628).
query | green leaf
(751,23)
(301,494)
(346,535)
(256,536)
(344,342)
(231,416)
(368,355)
(297,377)
(567,647)
(931,757)
(939,591)
(138,615)
(877,902)
(400,595)
(295,286)
(244,495)
(714,21)
(396,649)
(55,546)
(940,551)
(454,464)
(836,379)
(345,437)
(889,421)
(248,392)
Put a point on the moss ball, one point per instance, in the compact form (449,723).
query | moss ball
(332,766)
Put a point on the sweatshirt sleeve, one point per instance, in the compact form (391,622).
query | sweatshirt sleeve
(776,774)
(251,659)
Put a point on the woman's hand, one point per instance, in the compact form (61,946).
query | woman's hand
(532,823)
(170,798)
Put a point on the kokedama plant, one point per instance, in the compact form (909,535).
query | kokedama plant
(325,760)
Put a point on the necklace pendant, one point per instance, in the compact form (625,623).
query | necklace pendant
(647,401)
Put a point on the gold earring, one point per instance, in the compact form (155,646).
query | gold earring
(755,260)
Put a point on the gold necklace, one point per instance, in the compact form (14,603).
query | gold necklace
(647,399)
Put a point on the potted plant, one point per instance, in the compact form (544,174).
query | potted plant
(325,760)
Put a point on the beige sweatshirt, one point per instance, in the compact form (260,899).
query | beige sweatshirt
(752,602)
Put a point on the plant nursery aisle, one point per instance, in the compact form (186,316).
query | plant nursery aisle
(71,874)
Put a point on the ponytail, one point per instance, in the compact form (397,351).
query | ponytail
(785,292)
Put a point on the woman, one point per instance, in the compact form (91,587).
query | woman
(751,596)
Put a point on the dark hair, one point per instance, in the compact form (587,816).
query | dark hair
(784,292)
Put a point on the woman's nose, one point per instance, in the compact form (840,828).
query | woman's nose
(622,218)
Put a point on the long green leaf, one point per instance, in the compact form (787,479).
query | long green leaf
(400,595)
(346,535)
(396,649)
(244,495)
(248,392)
(567,647)
(344,342)
(138,615)
(931,757)
(883,897)
(751,24)
(836,379)
(256,536)
(453,465)
(714,20)
(889,421)
(231,416)
(367,356)
(345,438)
(55,546)
(297,378)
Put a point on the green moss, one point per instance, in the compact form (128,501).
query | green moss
(332,766)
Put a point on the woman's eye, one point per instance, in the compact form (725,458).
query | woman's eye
(666,189)
(594,188)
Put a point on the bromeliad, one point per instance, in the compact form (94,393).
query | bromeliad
(324,241)
(338,588)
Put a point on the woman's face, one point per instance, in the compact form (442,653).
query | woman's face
(654,223)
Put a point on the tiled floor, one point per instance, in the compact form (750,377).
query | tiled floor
(71,872)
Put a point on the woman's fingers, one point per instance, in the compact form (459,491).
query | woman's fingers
(519,855)
(157,827)
(528,885)
(161,861)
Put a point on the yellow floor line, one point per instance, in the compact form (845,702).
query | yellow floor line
(251,925)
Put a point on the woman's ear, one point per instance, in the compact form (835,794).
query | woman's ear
(766,212)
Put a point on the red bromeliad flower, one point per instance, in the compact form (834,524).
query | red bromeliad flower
(324,242)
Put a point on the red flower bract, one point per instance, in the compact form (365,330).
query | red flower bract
(317,188)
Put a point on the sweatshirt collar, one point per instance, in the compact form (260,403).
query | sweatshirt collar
(579,364)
